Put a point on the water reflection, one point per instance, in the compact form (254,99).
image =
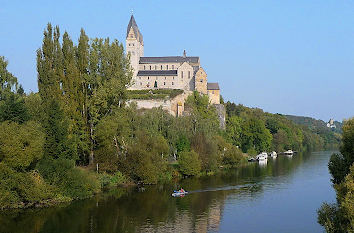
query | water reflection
(152,209)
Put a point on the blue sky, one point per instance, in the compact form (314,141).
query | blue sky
(289,57)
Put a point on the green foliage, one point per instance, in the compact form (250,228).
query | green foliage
(112,180)
(146,158)
(12,108)
(153,94)
(332,218)
(8,82)
(330,136)
(21,146)
(255,135)
(69,181)
(189,163)
(339,217)
(183,144)
(20,189)
(339,165)
(257,126)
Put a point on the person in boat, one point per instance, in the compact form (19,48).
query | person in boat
(182,190)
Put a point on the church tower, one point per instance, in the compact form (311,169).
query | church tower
(134,45)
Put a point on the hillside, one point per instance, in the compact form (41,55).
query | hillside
(330,135)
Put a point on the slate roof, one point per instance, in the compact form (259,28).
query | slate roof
(157,73)
(132,24)
(213,86)
(172,59)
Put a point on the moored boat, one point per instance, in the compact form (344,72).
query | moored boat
(262,156)
(273,154)
(289,152)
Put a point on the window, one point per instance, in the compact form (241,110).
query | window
(144,67)
(133,44)
(166,67)
(165,78)
(140,78)
(164,83)
(133,53)
(141,83)
(182,74)
(173,67)
(161,67)
(129,44)
(156,77)
(173,78)
(189,74)
(150,67)
(201,80)
(155,67)
(148,78)
(172,83)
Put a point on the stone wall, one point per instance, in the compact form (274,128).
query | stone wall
(221,111)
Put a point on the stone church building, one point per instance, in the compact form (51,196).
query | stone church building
(170,72)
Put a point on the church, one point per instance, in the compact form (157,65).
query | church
(170,72)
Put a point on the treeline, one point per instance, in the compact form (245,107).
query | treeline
(339,216)
(331,136)
(255,131)
(78,135)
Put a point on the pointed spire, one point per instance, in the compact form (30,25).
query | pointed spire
(132,24)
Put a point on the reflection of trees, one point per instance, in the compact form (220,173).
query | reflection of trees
(128,210)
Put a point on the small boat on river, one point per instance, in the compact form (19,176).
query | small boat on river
(273,154)
(179,193)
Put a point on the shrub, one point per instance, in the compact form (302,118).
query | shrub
(19,189)
(112,180)
(189,163)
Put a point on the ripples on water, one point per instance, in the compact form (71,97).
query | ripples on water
(280,196)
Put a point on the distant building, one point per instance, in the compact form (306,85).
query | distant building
(331,124)
(171,72)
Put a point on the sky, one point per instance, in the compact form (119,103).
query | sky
(288,57)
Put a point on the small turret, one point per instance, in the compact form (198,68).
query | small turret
(184,54)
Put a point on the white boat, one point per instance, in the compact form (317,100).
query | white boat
(273,154)
(262,156)
(289,152)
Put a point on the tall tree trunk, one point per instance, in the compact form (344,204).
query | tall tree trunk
(91,157)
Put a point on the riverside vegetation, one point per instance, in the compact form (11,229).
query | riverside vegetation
(52,141)
(339,217)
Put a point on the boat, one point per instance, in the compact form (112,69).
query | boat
(289,152)
(252,160)
(179,193)
(262,156)
(273,154)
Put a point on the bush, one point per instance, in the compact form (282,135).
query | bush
(18,189)
(112,180)
(79,183)
(189,163)
(232,156)
(71,182)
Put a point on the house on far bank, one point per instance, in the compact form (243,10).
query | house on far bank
(166,73)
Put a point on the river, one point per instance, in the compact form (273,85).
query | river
(280,196)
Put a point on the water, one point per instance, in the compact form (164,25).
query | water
(280,196)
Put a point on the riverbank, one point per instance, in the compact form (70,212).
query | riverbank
(219,203)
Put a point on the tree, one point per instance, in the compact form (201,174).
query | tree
(189,163)
(22,146)
(8,82)
(255,135)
